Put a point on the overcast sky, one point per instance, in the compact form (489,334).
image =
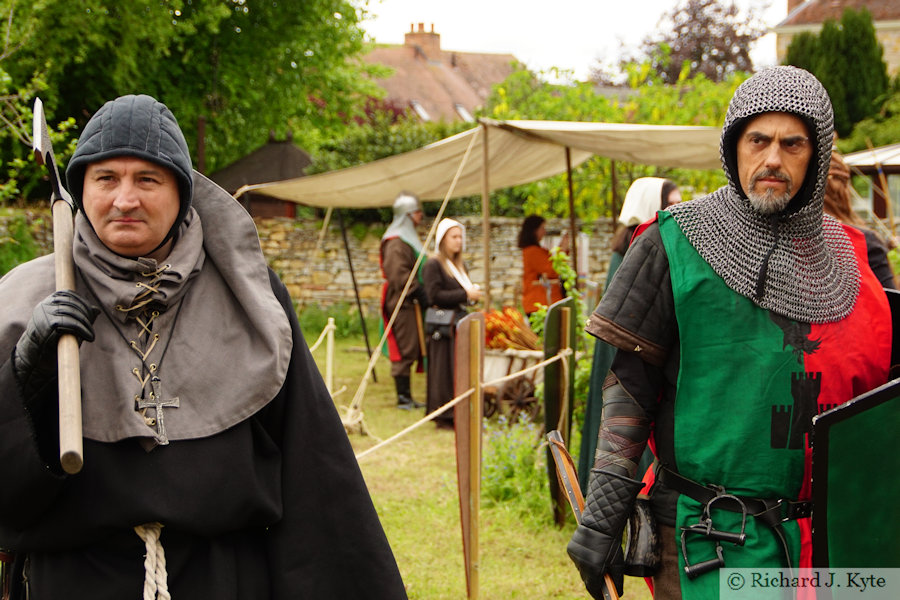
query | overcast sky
(570,34)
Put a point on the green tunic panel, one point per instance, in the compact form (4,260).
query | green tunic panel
(736,389)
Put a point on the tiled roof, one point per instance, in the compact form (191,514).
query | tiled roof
(443,83)
(814,12)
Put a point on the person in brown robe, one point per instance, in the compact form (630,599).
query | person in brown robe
(400,248)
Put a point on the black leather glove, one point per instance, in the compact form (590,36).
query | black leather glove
(34,357)
(596,545)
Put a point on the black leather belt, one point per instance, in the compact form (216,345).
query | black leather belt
(770,511)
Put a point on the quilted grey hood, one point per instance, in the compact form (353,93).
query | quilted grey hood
(138,126)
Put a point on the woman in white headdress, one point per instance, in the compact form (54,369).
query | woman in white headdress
(448,287)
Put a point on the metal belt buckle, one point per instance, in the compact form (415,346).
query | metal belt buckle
(705,528)
(795,510)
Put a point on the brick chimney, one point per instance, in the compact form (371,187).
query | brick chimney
(428,42)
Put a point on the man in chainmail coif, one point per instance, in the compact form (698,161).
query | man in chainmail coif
(215,463)
(737,318)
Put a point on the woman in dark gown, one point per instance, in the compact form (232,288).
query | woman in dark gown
(447,286)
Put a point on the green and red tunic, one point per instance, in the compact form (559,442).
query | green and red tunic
(749,383)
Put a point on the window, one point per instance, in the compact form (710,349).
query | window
(420,110)
(463,113)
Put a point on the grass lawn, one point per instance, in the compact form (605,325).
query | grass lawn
(413,485)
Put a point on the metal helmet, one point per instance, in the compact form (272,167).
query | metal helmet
(406,203)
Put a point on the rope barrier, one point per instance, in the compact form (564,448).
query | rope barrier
(562,355)
(559,356)
(330,327)
(429,417)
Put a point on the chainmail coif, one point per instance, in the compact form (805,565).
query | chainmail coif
(798,263)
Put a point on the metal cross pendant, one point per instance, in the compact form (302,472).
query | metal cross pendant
(157,403)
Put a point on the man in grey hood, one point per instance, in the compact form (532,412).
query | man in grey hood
(737,317)
(215,463)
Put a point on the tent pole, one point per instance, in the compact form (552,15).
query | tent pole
(362,318)
(615,199)
(884,187)
(486,220)
(573,233)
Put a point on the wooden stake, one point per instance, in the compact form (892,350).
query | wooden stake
(476,345)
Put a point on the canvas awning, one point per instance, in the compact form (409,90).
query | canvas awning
(868,161)
(519,152)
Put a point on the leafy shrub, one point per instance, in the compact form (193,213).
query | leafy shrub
(313,319)
(514,469)
(17,246)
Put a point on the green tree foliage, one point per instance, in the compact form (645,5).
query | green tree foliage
(16,244)
(245,67)
(709,36)
(25,177)
(832,70)
(803,51)
(868,70)
(881,129)
(598,184)
(847,58)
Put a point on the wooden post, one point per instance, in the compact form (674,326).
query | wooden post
(573,233)
(614,196)
(329,356)
(486,218)
(476,344)
(884,186)
(467,375)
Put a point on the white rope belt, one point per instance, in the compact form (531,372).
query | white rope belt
(156,585)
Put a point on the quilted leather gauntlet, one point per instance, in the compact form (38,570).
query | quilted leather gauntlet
(596,545)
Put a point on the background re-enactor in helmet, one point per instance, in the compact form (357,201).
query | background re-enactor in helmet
(206,422)
(771,316)
(400,248)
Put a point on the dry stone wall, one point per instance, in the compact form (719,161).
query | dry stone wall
(320,274)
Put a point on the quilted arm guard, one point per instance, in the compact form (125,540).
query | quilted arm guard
(596,545)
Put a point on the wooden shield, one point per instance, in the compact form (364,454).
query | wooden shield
(559,332)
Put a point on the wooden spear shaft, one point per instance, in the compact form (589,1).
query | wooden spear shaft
(70,435)
(69,374)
